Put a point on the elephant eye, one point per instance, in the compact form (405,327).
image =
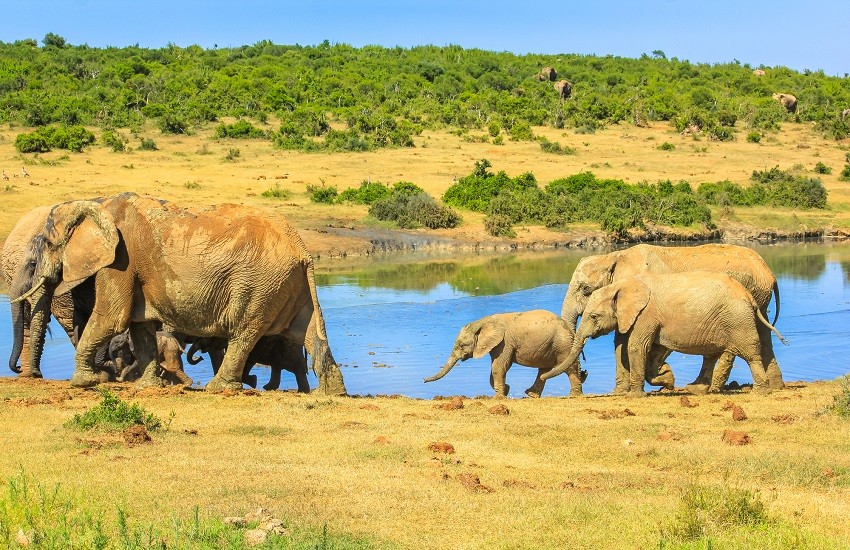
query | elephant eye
(586,290)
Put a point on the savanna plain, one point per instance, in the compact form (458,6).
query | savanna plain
(731,470)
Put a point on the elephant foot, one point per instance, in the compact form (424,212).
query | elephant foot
(620,390)
(150,382)
(762,389)
(697,389)
(666,381)
(531,393)
(576,393)
(85,379)
(636,393)
(30,374)
(776,384)
(217,385)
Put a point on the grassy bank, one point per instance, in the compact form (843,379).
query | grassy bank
(592,472)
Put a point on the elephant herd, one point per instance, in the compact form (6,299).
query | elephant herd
(134,280)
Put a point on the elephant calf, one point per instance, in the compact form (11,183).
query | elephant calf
(538,339)
(169,358)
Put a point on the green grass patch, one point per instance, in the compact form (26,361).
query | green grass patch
(276,192)
(841,402)
(113,413)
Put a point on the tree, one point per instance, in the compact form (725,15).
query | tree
(658,54)
(51,39)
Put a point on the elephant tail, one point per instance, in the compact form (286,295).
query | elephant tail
(776,297)
(324,365)
(771,327)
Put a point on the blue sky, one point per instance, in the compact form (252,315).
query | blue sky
(801,35)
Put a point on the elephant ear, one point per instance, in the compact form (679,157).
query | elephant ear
(89,243)
(490,335)
(629,300)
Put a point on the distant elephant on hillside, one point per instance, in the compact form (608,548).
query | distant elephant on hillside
(758,72)
(787,100)
(547,74)
(564,88)
(845,113)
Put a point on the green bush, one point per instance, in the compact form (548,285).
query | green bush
(521,131)
(31,143)
(754,136)
(845,173)
(73,138)
(232,154)
(666,146)
(323,194)
(721,133)
(476,190)
(239,129)
(841,402)
(276,192)
(710,512)
(822,168)
(368,193)
(783,188)
(410,207)
(148,144)
(112,413)
(499,225)
(113,140)
(556,148)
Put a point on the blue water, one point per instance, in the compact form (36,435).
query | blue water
(387,339)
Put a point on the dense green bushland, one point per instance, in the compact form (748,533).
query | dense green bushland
(73,138)
(616,205)
(385,96)
(409,206)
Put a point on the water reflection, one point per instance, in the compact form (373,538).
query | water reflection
(391,323)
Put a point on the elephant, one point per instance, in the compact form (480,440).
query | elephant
(537,338)
(697,312)
(564,88)
(787,100)
(741,263)
(277,352)
(225,271)
(547,74)
(759,72)
(17,261)
(169,352)
(845,113)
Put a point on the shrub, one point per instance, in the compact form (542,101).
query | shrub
(232,154)
(367,193)
(276,192)
(494,129)
(841,402)
(239,129)
(73,138)
(499,225)
(31,143)
(782,188)
(170,123)
(721,133)
(710,512)
(192,185)
(323,194)
(556,148)
(666,146)
(148,144)
(754,137)
(410,209)
(521,131)
(476,190)
(112,413)
(113,140)
(845,173)
(822,168)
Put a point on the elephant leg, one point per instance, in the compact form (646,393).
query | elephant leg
(274,379)
(216,358)
(638,351)
(500,363)
(658,371)
(96,335)
(248,378)
(229,375)
(708,373)
(774,375)
(759,377)
(143,336)
(621,374)
(536,388)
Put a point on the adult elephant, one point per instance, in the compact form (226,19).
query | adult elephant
(224,271)
(697,312)
(17,263)
(564,88)
(547,74)
(741,263)
(275,351)
(786,100)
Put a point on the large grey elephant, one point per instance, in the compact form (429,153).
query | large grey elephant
(275,351)
(224,271)
(564,88)
(787,100)
(537,338)
(698,313)
(17,262)
(547,74)
(741,263)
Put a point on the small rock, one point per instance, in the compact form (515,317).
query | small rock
(728,406)
(499,409)
(260,514)
(380,440)
(736,438)
(783,418)
(234,521)
(370,407)
(441,447)
(455,404)
(472,482)
(628,442)
(273,526)
(669,435)
(738,414)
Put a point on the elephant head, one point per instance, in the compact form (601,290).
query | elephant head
(473,341)
(614,307)
(79,238)
(564,88)
(591,274)
(547,74)
(787,100)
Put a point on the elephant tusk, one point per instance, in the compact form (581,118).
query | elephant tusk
(30,292)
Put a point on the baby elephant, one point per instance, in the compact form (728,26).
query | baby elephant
(538,339)
(698,313)
(121,352)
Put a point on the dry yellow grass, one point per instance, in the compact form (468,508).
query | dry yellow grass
(193,169)
(554,473)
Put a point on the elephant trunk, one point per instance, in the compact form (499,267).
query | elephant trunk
(190,354)
(38,328)
(445,370)
(17,335)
